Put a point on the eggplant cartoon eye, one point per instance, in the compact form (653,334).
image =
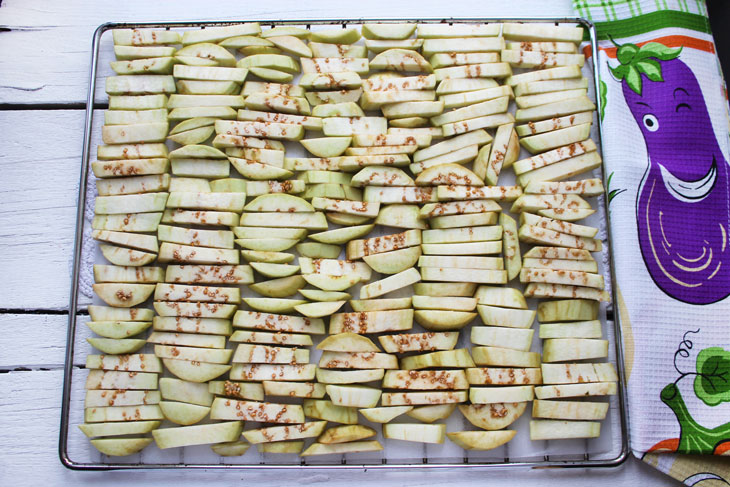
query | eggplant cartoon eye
(650,122)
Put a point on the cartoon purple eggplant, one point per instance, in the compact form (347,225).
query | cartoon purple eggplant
(683,204)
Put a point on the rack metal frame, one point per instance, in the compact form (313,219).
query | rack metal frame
(547,462)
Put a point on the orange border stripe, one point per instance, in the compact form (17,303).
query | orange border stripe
(669,41)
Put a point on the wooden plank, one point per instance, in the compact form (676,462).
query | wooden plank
(31,401)
(30,410)
(53,40)
(38,188)
(38,341)
(33,341)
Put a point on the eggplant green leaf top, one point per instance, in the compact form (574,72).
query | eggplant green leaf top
(636,61)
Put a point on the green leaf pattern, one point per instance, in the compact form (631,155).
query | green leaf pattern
(626,53)
(651,69)
(633,79)
(612,193)
(712,382)
(660,51)
(711,386)
(635,61)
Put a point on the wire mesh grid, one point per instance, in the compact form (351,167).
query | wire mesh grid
(75,452)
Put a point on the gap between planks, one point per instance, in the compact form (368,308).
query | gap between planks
(38,311)
(17,107)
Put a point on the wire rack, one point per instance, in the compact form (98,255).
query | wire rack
(75,452)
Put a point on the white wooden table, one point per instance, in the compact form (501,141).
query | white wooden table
(44,63)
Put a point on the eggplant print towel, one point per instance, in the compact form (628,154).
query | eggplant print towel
(665,147)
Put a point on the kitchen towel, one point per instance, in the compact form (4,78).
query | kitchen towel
(665,147)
